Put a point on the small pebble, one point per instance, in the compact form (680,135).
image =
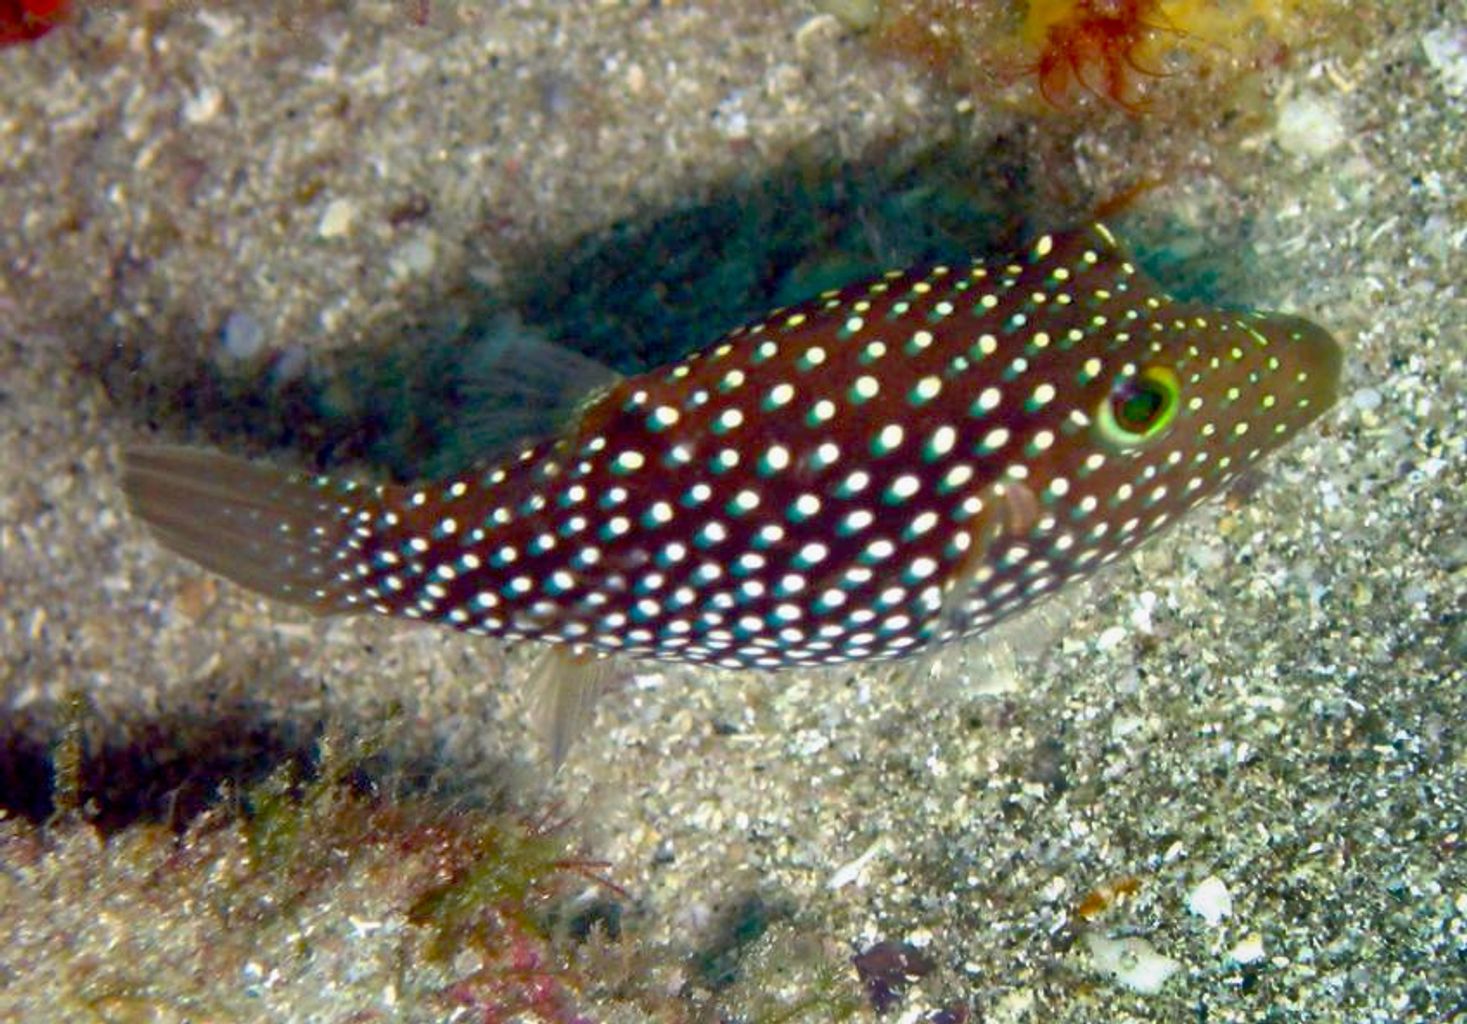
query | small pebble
(731,118)
(1446,52)
(854,14)
(1141,614)
(414,258)
(242,336)
(855,870)
(1132,961)
(337,219)
(1110,638)
(1206,557)
(1248,951)
(203,106)
(1310,126)
(292,363)
(1366,399)
(1211,901)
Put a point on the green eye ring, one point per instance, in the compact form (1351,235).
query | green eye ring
(1139,408)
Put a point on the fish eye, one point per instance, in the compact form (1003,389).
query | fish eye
(1139,408)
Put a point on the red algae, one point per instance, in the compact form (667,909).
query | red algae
(23,21)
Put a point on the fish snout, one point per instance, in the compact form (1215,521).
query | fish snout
(1317,359)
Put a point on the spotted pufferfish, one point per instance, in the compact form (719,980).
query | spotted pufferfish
(886,468)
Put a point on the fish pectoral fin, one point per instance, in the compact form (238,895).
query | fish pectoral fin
(564,686)
(1007,511)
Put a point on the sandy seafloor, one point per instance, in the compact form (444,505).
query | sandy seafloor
(1271,697)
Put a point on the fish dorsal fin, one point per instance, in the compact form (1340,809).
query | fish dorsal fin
(526,387)
(1092,244)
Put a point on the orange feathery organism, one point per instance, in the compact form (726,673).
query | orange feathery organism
(1094,45)
(22,21)
(1108,49)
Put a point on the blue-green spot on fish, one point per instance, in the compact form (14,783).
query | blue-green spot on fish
(885,468)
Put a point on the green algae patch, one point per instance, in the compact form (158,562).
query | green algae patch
(307,894)
(326,892)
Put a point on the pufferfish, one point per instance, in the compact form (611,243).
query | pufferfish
(884,469)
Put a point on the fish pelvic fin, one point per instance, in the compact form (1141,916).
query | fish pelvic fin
(280,534)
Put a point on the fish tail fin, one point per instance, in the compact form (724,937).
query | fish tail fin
(284,535)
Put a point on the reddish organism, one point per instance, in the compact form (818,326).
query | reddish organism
(22,21)
(1095,45)
(888,969)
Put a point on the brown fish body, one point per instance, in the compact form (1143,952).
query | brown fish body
(889,466)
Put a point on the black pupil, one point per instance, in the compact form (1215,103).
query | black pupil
(1138,408)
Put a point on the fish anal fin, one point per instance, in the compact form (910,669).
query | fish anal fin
(564,686)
